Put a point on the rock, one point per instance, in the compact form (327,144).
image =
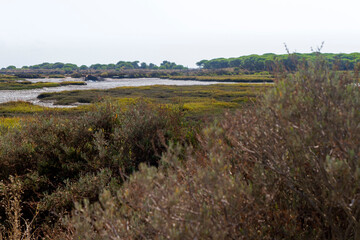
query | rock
(93,78)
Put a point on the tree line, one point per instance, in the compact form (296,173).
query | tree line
(253,63)
(70,67)
(268,61)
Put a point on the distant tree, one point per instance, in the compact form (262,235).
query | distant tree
(111,66)
(135,64)
(71,66)
(46,65)
(119,63)
(179,67)
(11,67)
(153,66)
(165,65)
(201,64)
(128,65)
(267,61)
(143,65)
(97,66)
(68,70)
(170,65)
(35,67)
(58,65)
(235,62)
(83,67)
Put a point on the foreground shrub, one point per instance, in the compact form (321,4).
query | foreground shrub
(15,227)
(60,160)
(287,169)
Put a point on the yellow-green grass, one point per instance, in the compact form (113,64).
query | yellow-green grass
(160,93)
(20,107)
(23,85)
(192,105)
(9,122)
(209,105)
(194,100)
(198,100)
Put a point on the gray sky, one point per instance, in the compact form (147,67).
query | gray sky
(186,31)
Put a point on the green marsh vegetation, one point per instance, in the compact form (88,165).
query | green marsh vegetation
(161,93)
(7,123)
(25,85)
(253,78)
(14,83)
(286,166)
(18,108)
(196,101)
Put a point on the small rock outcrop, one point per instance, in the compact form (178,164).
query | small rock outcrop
(93,78)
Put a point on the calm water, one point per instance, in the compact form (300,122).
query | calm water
(31,95)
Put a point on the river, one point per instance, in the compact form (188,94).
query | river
(32,94)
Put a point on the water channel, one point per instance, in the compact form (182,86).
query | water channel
(32,94)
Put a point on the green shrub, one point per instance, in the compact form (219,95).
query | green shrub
(59,158)
(287,169)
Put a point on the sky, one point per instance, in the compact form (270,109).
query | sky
(185,32)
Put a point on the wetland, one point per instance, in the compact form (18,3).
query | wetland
(53,85)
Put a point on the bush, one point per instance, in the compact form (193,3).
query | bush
(287,169)
(62,159)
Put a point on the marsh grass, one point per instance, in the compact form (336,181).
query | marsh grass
(20,107)
(24,85)
(195,99)
(9,122)
(160,93)
(26,111)
(255,78)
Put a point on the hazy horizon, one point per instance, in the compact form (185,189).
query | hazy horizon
(89,32)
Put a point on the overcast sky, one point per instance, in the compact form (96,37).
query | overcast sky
(186,31)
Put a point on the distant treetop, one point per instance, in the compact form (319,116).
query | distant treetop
(267,61)
(254,63)
(69,67)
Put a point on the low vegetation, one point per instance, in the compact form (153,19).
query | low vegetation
(58,159)
(19,108)
(7,123)
(255,78)
(196,101)
(285,167)
(16,84)
(161,93)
